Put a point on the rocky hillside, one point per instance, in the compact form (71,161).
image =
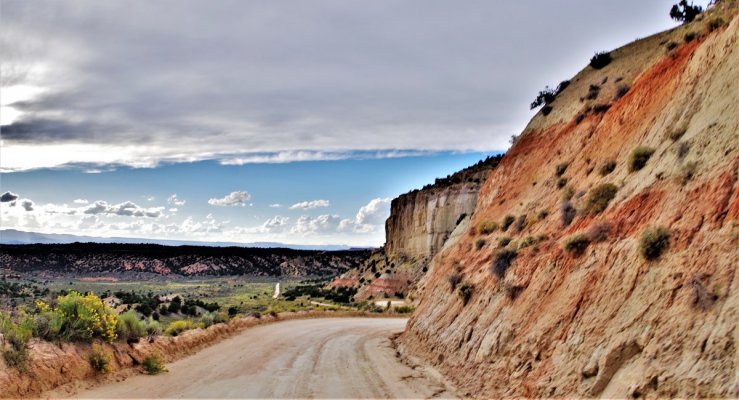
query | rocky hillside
(602,256)
(420,222)
(89,258)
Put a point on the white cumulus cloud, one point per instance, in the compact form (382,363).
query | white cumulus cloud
(307,205)
(231,199)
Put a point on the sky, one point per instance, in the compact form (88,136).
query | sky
(270,120)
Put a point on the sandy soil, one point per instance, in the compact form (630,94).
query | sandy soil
(313,358)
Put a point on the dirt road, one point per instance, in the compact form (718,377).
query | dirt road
(316,358)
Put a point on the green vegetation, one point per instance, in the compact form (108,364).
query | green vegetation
(599,198)
(502,260)
(639,158)
(520,223)
(129,328)
(182,325)
(487,227)
(600,60)
(684,12)
(454,280)
(716,23)
(153,364)
(100,359)
(607,167)
(508,220)
(576,244)
(16,335)
(567,213)
(560,169)
(465,293)
(653,242)
(548,95)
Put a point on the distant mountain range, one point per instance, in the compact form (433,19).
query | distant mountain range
(12,236)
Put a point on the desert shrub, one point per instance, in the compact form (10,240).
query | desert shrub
(683,148)
(715,23)
(177,327)
(502,261)
(687,172)
(561,182)
(100,359)
(593,92)
(487,227)
(601,108)
(212,318)
(567,193)
(576,244)
(598,232)
(639,158)
(600,60)
(653,242)
(503,241)
(546,110)
(480,243)
(520,223)
(78,317)
(153,327)
(560,169)
(130,328)
(543,214)
(256,314)
(526,242)
(684,12)
(579,118)
(232,311)
(671,46)
(599,198)
(548,95)
(153,364)
(465,292)
(454,280)
(508,220)
(621,91)
(607,167)
(689,37)
(404,309)
(16,335)
(567,212)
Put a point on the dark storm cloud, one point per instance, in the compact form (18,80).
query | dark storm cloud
(251,76)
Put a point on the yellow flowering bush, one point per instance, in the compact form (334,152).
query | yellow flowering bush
(79,317)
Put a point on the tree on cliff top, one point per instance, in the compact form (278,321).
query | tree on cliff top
(685,12)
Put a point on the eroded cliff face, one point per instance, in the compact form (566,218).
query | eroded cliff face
(604,322)
(420,223)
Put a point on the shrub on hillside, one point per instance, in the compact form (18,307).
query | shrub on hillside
(600,60)
(153,364)
(508,220)
(684,12)
(520,223)
(77,317)
(599,198)
(502,261)
(607,167)
(100,359)
(593,92)
(683,148)
(671,46)
(639,158)
(621,91)
(576,244)
(543,214)
(465,293)
(716,23)
(177,327)
(561,182)
(689,37)
(130,328)
(561,168)
(548,95)
(454,280)
(653,242)
(503,241)
(16,335)
(567,213)
(487,227)
(480,243)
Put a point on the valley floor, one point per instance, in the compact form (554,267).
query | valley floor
(311,358)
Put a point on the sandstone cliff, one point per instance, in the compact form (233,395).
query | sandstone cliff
(602,320)
(420,222)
